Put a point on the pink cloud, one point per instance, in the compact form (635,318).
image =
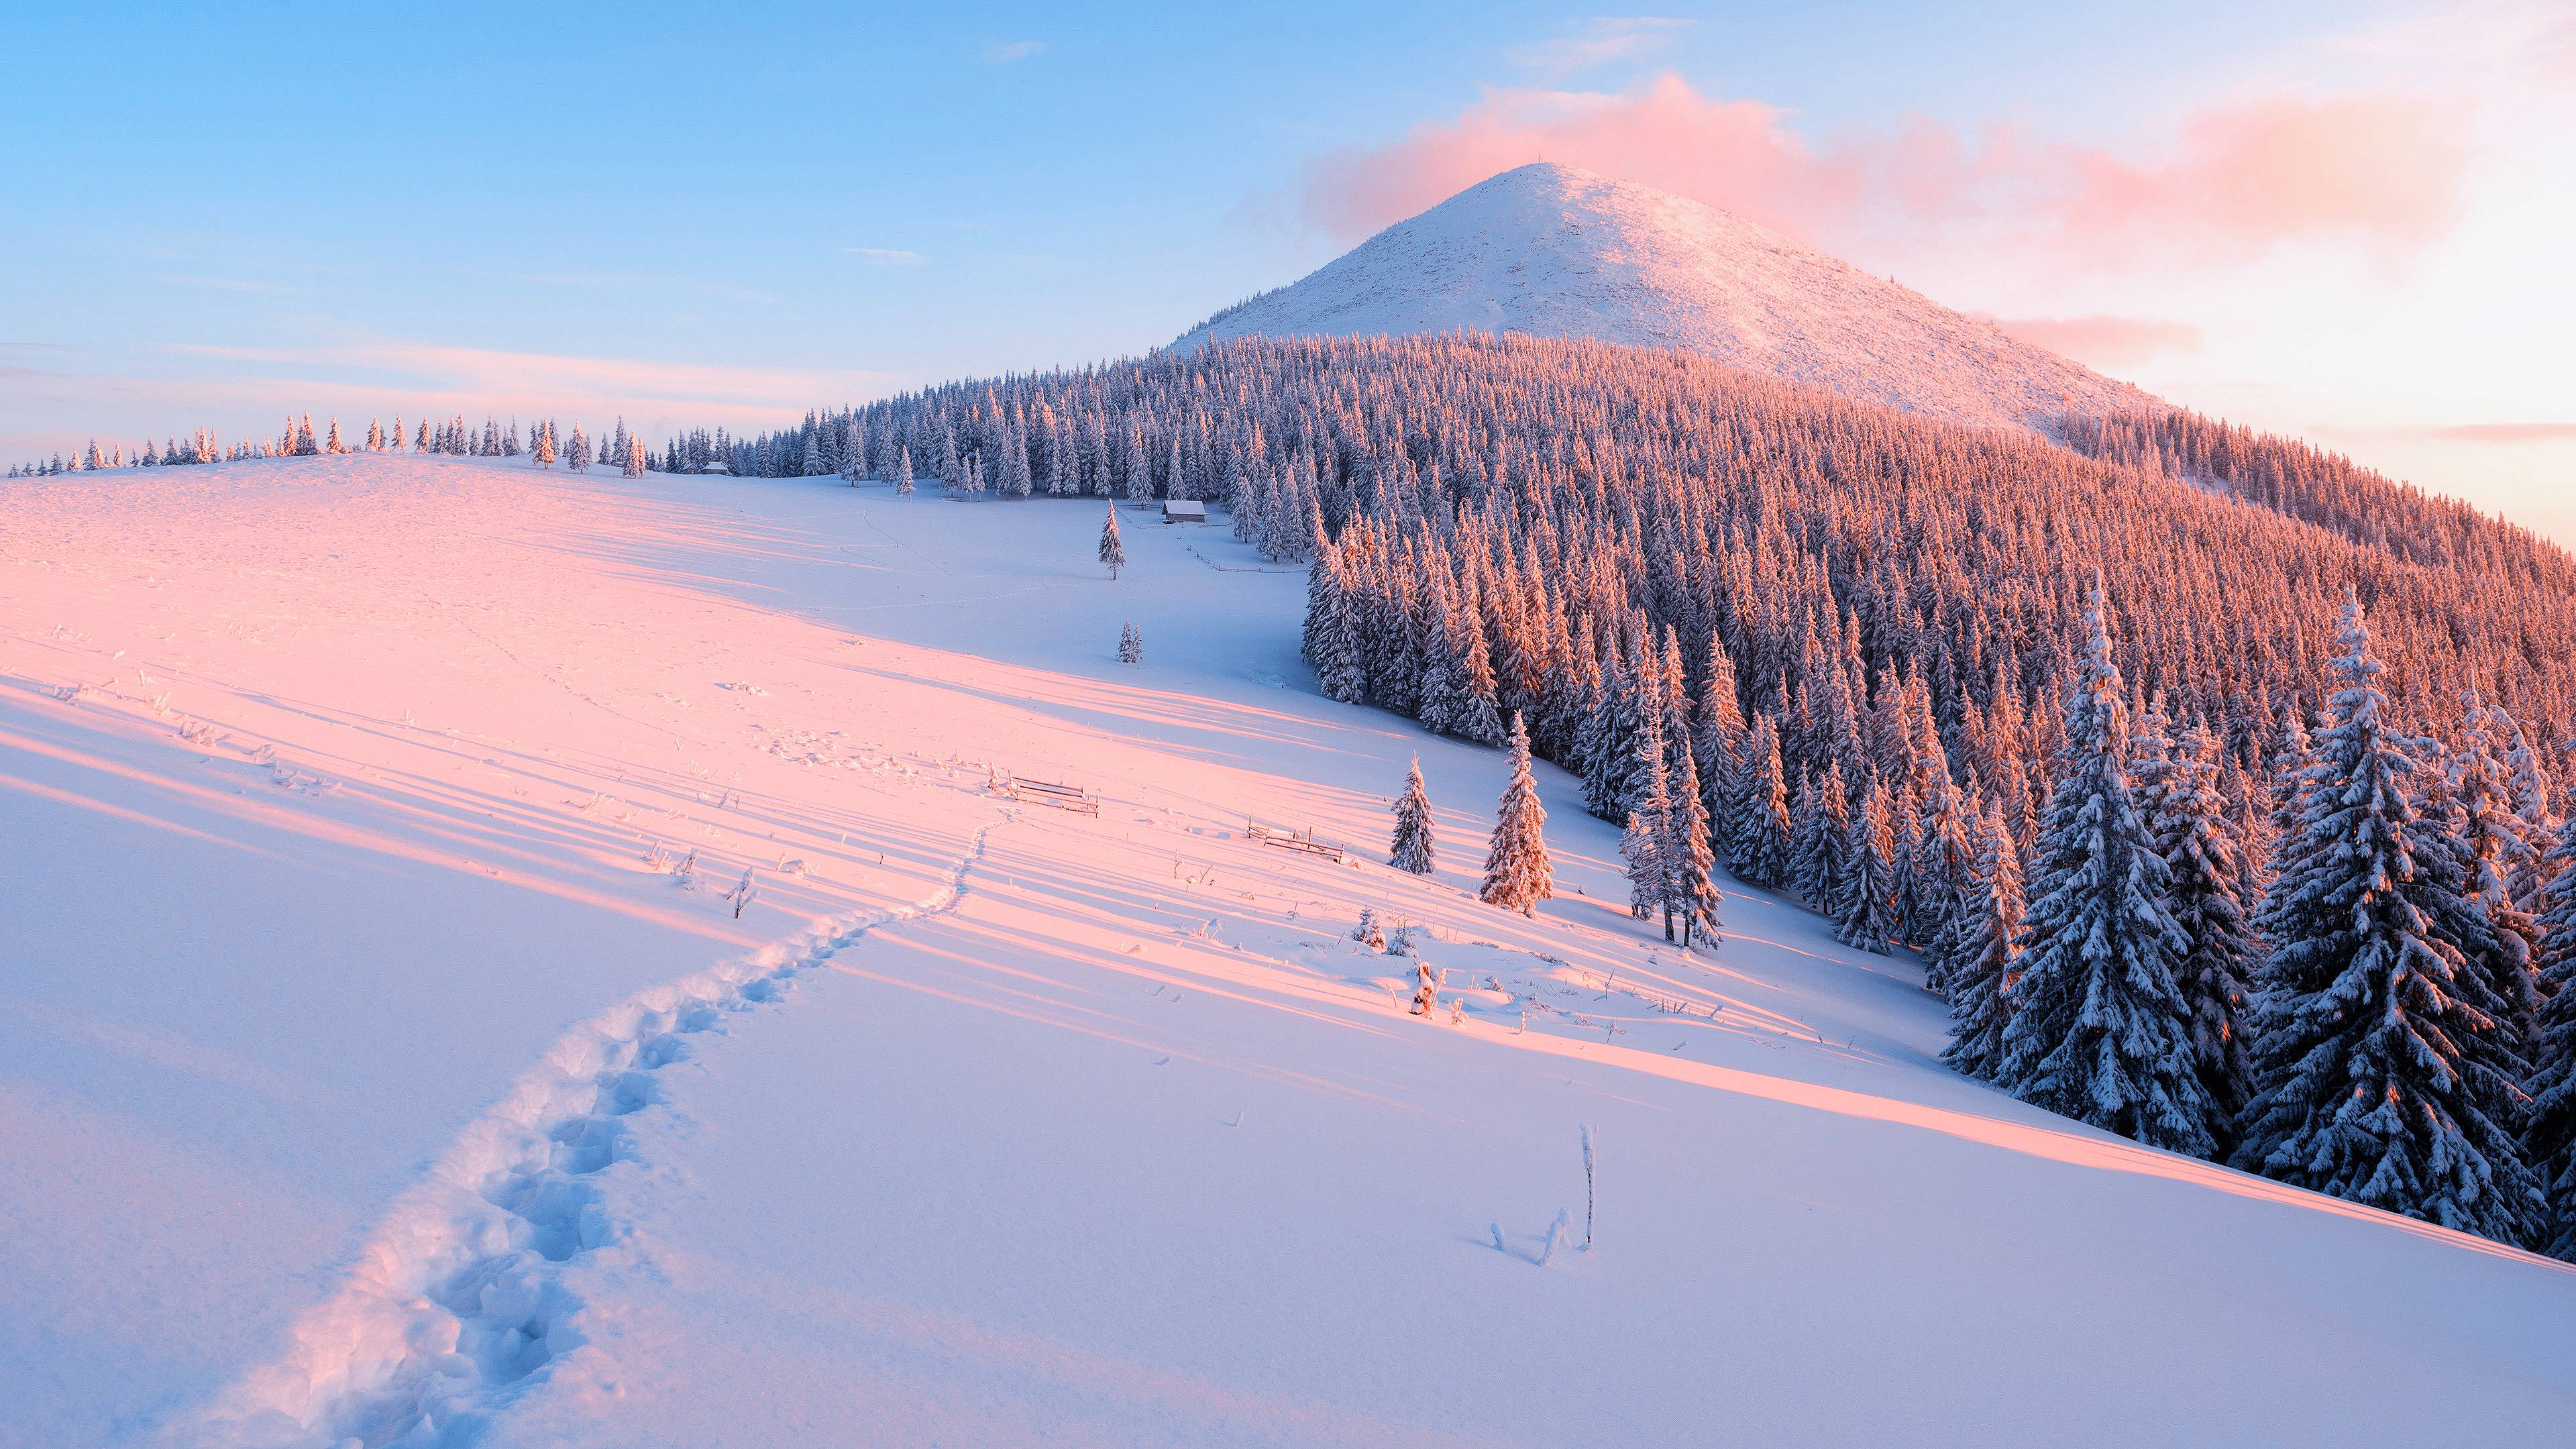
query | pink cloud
(2235,182)
(1736,154)
(2379,170)
(2104,341)
(2507,433)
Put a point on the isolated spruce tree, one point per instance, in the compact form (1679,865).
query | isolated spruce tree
(2187,819)
(1411,851)
(1983,967)
(1865,898)
(1113,553)
(903,472)
(1131,644)
(2100,1031)
(2550,1138)
(2379,1072)
(1518,874)
(394,440)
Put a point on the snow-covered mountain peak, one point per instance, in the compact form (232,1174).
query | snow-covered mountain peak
(1554,251)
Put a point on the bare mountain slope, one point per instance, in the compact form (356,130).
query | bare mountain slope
(1555,252)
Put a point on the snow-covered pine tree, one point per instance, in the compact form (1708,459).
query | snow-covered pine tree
(1756,820)
(375,436)
(635,458)
(1641,852)
(1411,849)
(1476,719)
(903,472)
(1113,553)
(577,458)
(1017,481)
(2378,1073)
(1131,644)
(2501,851)
(1609,743)
(2550,1137)
(1820,836)
(1649,828)
(1940,874)
(1368,932)
(1719,737)
(1518,874)
(1332,643)
(2187,820)
(1690,859)
(1865,900)
(541,438)
(1983,970)
(2100,1031)
(394,440)
(1442,699)
(2528,779)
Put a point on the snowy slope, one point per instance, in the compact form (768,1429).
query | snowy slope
(1556,252)
(372,1071)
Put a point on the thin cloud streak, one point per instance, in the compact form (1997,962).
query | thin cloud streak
(2102,341)
(2504,433)
(496,373)
(1601,40)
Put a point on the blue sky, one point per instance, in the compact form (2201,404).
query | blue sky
(215,217)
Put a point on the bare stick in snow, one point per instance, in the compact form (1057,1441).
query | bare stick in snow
(1587,1187)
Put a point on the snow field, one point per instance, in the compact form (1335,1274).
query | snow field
(1089,1129)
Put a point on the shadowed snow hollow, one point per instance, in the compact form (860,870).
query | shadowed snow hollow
(1555,252)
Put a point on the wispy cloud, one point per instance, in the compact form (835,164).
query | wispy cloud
(1003,52)
(885,256)
(242,389)
(498,375)
(250,285)
(1600,40)
(2102,341)
(2504,433)
(635,281)
(2231,183)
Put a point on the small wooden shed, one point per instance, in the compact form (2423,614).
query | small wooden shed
(1184,510)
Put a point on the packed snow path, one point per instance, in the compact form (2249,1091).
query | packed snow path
(458,1297)
(356,783)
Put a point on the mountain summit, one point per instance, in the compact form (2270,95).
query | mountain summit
(1551,251)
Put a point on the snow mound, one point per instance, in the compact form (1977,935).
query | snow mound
(1551,251)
